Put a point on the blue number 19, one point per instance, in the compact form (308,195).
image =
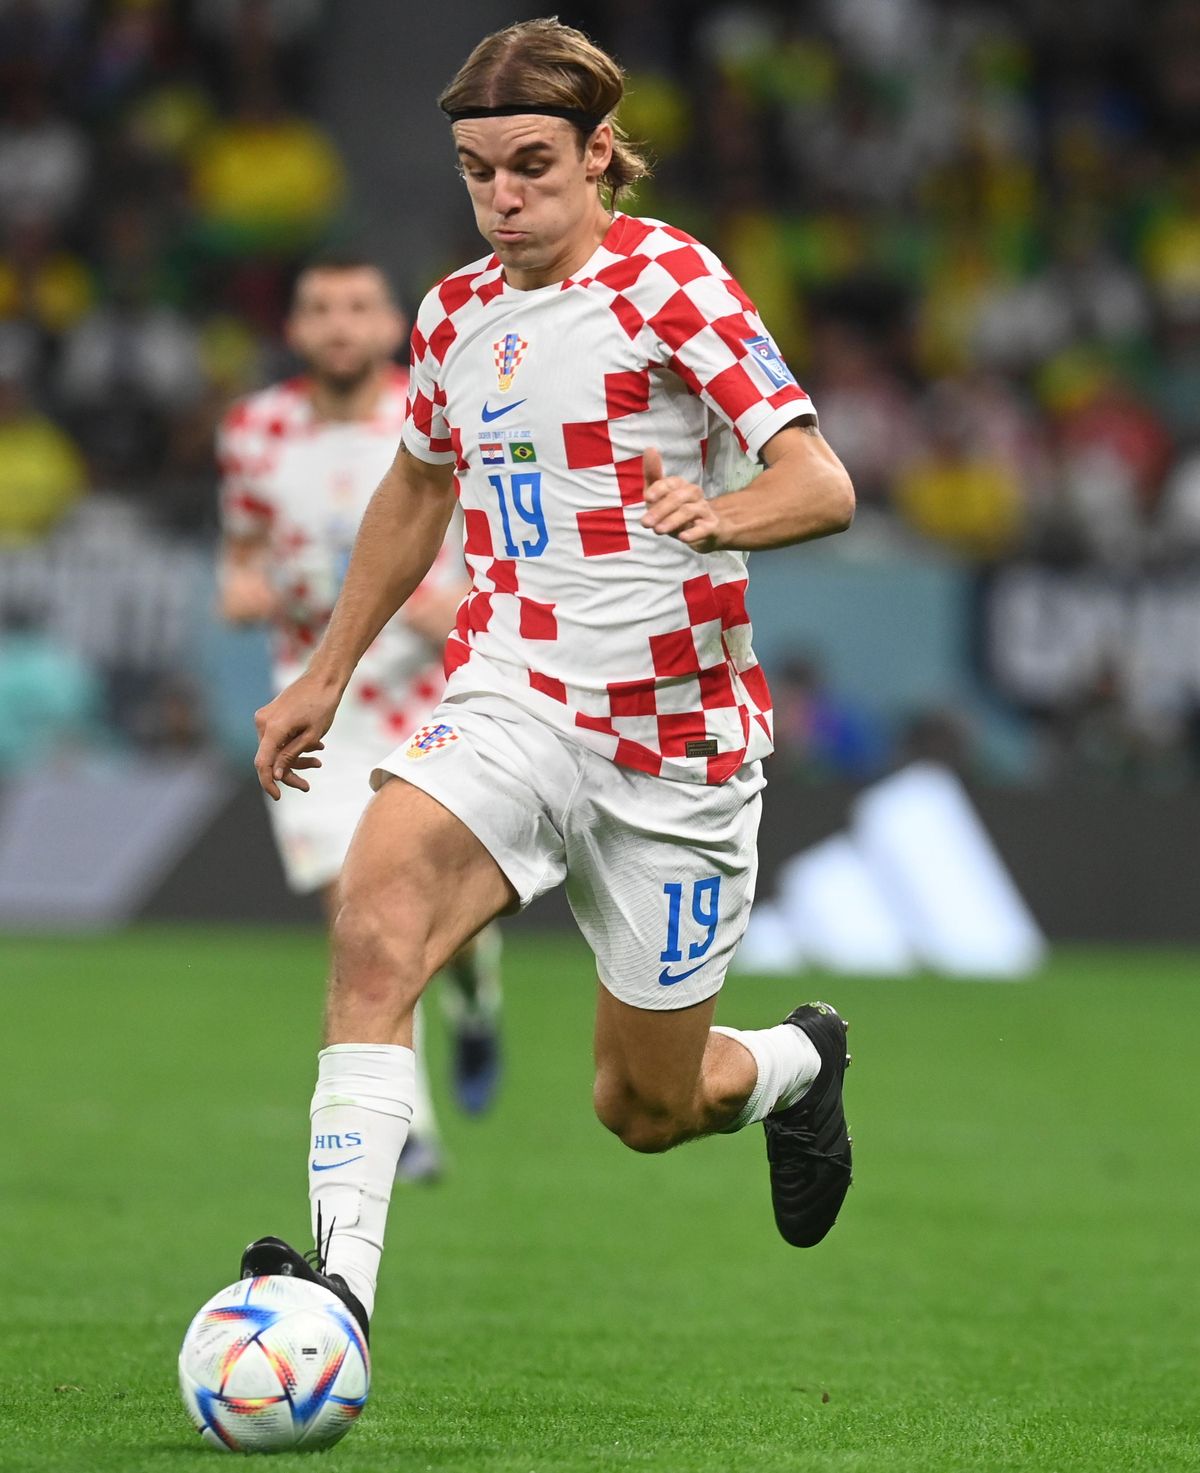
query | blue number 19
(525,492)
(706,896)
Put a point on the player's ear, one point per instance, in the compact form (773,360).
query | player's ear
(598,151)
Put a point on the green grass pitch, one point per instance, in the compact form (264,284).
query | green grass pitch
(1012,1286)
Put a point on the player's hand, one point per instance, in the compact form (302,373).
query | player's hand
(677,508)
(290,729)
(432,613)
(247,595)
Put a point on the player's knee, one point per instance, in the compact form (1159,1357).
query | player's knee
(644,1125)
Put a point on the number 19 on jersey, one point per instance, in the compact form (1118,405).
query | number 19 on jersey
(520,497)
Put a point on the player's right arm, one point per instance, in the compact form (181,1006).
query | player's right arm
(397,541)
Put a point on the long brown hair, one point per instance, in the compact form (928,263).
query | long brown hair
(552,65)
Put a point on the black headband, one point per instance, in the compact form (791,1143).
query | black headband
(589,122)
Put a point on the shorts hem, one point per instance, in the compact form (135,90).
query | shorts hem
(669,1005)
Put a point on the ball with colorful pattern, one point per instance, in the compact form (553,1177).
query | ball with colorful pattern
(273,1364)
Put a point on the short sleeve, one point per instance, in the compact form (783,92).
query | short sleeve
(426,434)
(711,336)
(244,507)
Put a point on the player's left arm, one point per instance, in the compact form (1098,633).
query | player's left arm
(804,492)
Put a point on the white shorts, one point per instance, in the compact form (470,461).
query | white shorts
(313,830)
(659,875)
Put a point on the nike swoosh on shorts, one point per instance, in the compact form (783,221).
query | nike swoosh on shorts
(665,979)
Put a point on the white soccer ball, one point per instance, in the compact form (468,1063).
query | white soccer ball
(271,1364)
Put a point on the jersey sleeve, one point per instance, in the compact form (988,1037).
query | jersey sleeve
(709,333)
(426,433)
(244,508)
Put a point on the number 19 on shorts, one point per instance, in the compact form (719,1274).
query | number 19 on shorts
(697,919)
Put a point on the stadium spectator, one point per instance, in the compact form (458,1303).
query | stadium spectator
(43,157)
(1114,453)
(959,490)
(240,35)
(866,409)
(134,361)
(41,280)
(41,471)
(265,181)
(820,734)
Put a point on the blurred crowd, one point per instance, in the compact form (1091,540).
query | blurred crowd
(973,227)
(160,175)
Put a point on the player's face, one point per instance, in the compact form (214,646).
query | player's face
(344,324)
(534,192)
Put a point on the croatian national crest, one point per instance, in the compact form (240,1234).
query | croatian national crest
(508,352)
(429,739)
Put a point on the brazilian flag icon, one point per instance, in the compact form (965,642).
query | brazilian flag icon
(522,451)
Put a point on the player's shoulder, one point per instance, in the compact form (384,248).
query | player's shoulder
(273,413)
(647,251)
(471,286)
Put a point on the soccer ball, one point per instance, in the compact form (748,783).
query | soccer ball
(273,1363)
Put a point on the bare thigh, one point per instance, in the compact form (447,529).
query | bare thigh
(416,886)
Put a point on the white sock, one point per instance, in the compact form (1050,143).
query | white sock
(471,988)
(788,1063)
(360,1117)
(424,1121)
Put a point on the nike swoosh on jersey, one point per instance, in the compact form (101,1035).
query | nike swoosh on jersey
(665,978)
(491,414)
(333,1165)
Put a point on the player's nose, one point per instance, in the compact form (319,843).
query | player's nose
(506,195)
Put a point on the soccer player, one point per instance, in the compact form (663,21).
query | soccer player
(590,389)
(299,462)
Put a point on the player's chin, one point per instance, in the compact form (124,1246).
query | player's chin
(344,372)
(518,247)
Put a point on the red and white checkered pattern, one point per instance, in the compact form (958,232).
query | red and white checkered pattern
(636,644)
(303,485)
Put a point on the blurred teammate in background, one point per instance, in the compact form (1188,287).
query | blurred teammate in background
(592,390)
(299,463)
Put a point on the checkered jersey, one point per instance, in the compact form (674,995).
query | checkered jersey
(544,402)
(302,484)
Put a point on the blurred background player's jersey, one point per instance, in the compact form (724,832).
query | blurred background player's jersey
(303,484)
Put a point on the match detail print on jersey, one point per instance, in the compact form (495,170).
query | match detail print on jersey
(635,644)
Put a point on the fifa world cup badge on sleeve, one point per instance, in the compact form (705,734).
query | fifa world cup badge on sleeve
(764,352)
(429,739)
